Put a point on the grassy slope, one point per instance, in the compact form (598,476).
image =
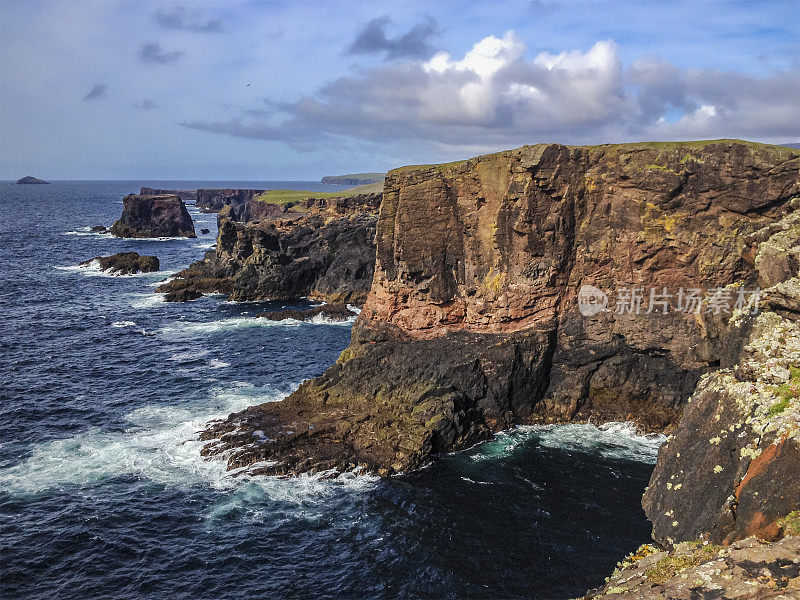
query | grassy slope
(696,144)
(284,196)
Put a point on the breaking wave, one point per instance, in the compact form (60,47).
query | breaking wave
(616,440)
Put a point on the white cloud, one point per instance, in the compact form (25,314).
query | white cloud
(496,96)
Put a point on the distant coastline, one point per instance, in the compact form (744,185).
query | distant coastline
(354,179)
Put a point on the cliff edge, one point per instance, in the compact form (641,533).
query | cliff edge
(473,322)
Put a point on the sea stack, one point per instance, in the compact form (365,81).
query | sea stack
(145,216)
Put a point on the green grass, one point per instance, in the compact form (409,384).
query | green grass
(791,523)
(669,566)
(286,196)
(778,407)
(621,148)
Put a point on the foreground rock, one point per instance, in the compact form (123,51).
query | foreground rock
(334,312)
(125,263)
(152,217)
(320,248)
(747,570)
(480,264)
(30,180)
(99,229)
(732,469)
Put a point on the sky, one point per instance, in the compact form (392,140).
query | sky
(268,90)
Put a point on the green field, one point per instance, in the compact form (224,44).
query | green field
(285,196)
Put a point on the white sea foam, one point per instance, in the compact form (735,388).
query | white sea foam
(123,324)
(159,444)
(187,329)
(145,301)
(618,440)
(92,269)
(215,363)
(189,356)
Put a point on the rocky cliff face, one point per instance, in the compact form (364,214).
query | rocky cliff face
(153,216)
(320,248)
(216,200)
(480,264)
(737,446)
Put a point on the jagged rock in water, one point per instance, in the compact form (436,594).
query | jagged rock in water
(334,312)
(125,263)
(480,264)
(153,216)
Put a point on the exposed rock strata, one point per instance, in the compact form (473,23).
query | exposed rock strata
(479,264)
(125,263)
(153,216)
(321,248)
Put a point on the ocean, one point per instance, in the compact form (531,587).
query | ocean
(104,494)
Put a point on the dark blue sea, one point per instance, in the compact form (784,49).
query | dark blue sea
(104,494)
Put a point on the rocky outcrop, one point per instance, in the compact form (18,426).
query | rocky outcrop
(333,312)
(320,248)
(188,196)
(215,200)
(153,216)
(749,569)
(125,263)
(30,180)
(732,468)
(481,263)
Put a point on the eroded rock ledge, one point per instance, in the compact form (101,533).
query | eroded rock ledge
(472,324)
(318,247)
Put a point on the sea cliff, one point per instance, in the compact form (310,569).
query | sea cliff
(480,263)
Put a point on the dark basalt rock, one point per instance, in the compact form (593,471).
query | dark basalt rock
(204,231)
(319,248)
(153,216)
(126,263)
(336,312)
(31,180)
(472,324)
(99,229)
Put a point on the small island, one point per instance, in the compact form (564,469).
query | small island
(30,180)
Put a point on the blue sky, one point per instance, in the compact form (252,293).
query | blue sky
(296,90)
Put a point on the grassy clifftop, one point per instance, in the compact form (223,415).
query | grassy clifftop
(284,196)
